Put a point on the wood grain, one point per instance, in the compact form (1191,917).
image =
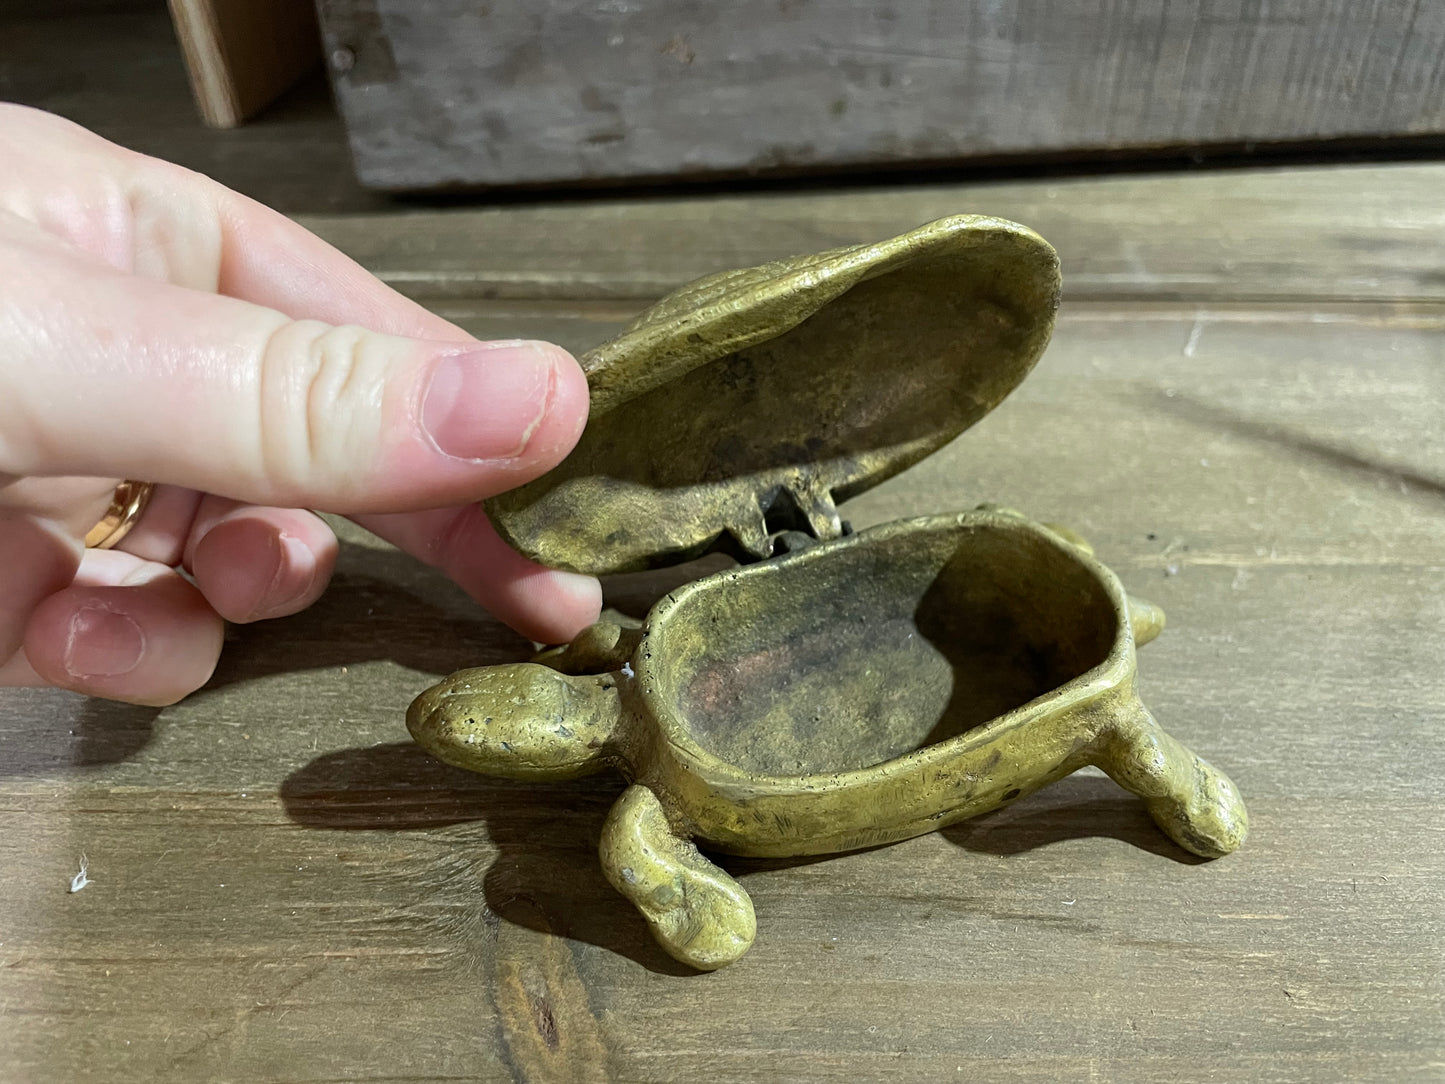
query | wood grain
(455,93)
(1361,233)
(285,889)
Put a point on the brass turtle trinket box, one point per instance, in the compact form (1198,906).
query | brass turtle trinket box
(835,690)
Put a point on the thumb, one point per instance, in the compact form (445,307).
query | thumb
(111,375)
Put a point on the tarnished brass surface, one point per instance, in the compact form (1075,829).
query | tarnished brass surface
(854,689)
(753,400)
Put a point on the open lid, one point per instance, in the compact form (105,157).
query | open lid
(749,402)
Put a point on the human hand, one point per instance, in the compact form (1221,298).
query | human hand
(156,326)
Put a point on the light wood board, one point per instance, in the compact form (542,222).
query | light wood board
(242,54)
(1342,233)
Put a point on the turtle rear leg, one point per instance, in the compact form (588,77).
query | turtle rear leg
(1193,802)
(698,913)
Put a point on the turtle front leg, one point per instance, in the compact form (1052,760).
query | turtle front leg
(1146,620)
(597,649)
(1195,804)
(698,913)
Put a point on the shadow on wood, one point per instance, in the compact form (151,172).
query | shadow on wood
(1222,419)
(100,733)
(544,874)
(541,870)
(1078,807)
(381,605)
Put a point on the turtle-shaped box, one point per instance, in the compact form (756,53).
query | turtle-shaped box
(836,690)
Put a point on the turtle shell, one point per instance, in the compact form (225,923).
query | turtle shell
(753,401)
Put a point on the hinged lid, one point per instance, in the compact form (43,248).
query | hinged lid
(749,402)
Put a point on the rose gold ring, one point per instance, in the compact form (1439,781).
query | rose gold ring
(125,510)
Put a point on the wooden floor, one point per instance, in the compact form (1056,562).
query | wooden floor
(1244,410)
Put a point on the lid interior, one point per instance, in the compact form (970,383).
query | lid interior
(753,402)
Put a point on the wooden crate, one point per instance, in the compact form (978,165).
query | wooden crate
(466,93)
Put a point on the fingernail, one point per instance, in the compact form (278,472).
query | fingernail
(295,568)
(487,403)
(102,643)
(278,570)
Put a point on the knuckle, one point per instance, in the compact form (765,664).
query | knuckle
(321,394)
(172,237)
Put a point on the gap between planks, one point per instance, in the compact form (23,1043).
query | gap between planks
(1384,314)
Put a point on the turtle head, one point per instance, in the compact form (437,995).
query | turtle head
(520,721)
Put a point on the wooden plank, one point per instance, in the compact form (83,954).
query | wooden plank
(285,889)
(243,54)
(460,94)
(1051,943)
(1340,233)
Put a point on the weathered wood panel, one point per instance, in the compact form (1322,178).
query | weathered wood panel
(453,92)
(286,890)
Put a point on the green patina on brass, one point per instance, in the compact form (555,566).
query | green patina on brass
(836,690)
